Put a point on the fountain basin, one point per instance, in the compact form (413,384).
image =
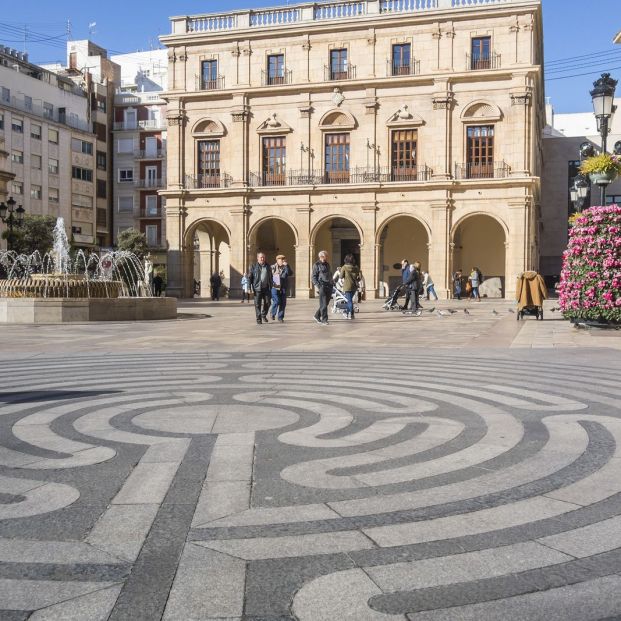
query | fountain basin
(83,310)
(59,286)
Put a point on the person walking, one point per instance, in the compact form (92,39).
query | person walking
(351,277)
(216,282)
(413,285)
(260,280)
(322,280)
(245,287)
(405,273)
(158,284)
(457,278)
(474,281)
(428,286)
(280,279)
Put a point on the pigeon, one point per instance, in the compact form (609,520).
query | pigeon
(553,310)
(466,311)
(511,311)
(494,311)
(431,310)
(440,313)
(450,310)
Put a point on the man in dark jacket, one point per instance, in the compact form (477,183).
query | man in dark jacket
(322,279)
(216,282)
(405,272)
(280,281)
(413,285)
(260,280)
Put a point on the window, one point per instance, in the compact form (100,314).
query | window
(403,155)
(480,152)
(276,69)
(18,187)
(152,234)
(81,146)
(17,157)
(126,175)
(1,120)
(27,102)
(76,230)
(52,166)
(101,160)
(53,195)
(102,217)
(337,158)
(338,64)
(151,206)
(52,136)
(126,204)
(274,160)
(209,74)
(82,174)
(401,59)
(35,162)
(613,200)
(101,103)
(102,188)
(35,192)
(35,131)
(48,110)
(125,145)
(5,93)
(481,56)
(209,163)
(573,168)
(81,201)
(17,125)
(100,131)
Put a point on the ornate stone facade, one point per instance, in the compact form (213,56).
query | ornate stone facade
(371,127)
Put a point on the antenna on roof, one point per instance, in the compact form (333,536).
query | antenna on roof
(91,28)
(68,30)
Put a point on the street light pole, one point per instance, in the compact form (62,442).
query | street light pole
(12,218)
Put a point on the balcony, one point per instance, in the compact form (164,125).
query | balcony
(339,73)
(144,125)
(141,154)
(151,212)
(149,184)
(475,170)
(200,182)
(56,115)
(393,69)
(205,84)
(276,80)
(479,63)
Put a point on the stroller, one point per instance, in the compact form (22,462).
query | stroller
(531,291)
(392,303)
(339,301)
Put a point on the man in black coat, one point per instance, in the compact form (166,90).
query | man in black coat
(323,281)
(260,280)
(414,284)
(216,282)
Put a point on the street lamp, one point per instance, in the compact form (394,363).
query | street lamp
(12,217)
(603,97)
(579,192)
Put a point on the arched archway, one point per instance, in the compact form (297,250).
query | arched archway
(401,237)
(339,236)
(210,244)
(274,236)
(480,241)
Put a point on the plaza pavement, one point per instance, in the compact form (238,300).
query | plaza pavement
(448,467)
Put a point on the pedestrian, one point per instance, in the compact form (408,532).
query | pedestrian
(322,280)
(245,287)
(428,286)
(413,285)
(216,282)
(260,280)
(280,280)
(351,277)
(474,281)
(405,272)
(457,278)
(158,284)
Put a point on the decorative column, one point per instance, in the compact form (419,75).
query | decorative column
(240,246)
(175,144)
(304,255)
(518,244)
(177,285)
(306,46)
(240,114)
(443,104)
(368,250)
(521,112)
(440,246)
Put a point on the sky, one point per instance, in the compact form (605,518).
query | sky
(575,41)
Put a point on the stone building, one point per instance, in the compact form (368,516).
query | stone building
(387,128)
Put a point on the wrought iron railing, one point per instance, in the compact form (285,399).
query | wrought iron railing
(396,69)
(276,80)
(482,170)
(478,63)
(206,84)
(339,73)
(199,182)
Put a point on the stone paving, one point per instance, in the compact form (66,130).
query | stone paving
(449,467)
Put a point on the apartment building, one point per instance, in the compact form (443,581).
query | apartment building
(47,132)
(386,128)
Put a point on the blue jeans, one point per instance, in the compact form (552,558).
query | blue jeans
(349,296)
(431,292)
(279,302)
(475,293)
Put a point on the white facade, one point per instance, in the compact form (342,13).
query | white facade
(143,71)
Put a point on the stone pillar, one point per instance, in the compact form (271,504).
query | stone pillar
(522,130)
(239,137)
(175,164)
(518,244)
(240,250)
(368,250)
(304,257)
(443,105)
(440,250)
(176,264)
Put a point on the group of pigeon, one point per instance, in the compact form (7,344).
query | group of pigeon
(452,311)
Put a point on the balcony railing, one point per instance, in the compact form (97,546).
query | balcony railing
(151,212)
(55,115)
(478,63)
(276,80)
(199,182)
(141,154)
(395,69)
(205,84)
(308,12)
(148,184)
(339,73)
(146,124)
(476,170)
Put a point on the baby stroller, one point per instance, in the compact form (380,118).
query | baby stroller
(339,301)
(392,303)
(531,291)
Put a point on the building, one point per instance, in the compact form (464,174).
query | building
(563,135)
(46,127)
(385,128)
(6,176)
(140,149)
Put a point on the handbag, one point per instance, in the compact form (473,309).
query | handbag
(468,287)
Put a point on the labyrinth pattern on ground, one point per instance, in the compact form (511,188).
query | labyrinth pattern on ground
(310,487)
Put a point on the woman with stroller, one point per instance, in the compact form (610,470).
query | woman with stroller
(351,276)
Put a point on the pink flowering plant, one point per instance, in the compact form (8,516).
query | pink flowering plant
(590,285)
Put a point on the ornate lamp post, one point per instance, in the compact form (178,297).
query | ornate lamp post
(603,95)
(11,217)
(579,192)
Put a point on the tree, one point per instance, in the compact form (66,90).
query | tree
(133,241)
(36,233)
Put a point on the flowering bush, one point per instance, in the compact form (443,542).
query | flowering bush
(590,285)
(603,163)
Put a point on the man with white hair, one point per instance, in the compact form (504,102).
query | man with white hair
(322,279)
(260,281)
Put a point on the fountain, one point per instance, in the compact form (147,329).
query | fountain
(57,288)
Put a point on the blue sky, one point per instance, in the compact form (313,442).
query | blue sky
(571,31)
